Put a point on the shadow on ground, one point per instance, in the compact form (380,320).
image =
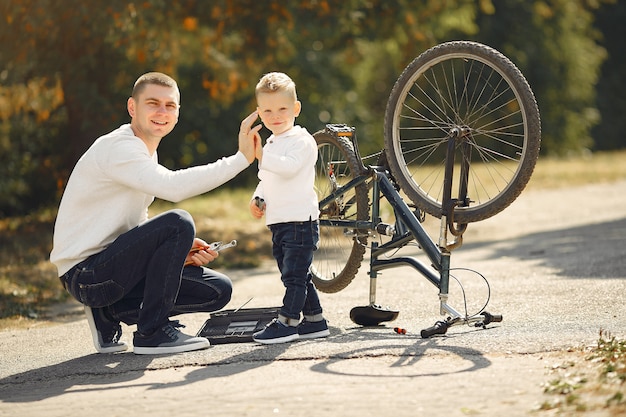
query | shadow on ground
(97,372)
(589,251)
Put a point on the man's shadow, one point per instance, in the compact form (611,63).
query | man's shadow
(108,371)
(61,377)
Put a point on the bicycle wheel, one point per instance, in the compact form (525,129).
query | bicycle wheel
(340,252)
(473,87)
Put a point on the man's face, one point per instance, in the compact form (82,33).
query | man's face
(155,112)
(278,111)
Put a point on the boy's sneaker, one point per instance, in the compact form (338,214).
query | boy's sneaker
(104,332)
(276,332)
(167,339)
(313,329)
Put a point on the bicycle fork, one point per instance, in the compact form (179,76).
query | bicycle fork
(462,135)
(448,204)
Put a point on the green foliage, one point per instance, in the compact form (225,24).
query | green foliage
(554,44)
(80,58)
(611,100)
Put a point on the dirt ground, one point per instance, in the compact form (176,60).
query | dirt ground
(556,267)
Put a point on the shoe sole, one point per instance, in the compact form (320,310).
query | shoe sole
(118,347)
(315,335)
(284,339)
(162,350)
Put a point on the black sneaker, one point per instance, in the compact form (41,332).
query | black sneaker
(276,332)
(104,332)
(168,339)
(313,329)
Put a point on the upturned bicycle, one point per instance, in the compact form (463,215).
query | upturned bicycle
(462,135)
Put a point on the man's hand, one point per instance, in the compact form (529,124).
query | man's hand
(249,138)
(200,254)
(258,149)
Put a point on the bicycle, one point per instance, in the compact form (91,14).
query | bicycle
(462,135)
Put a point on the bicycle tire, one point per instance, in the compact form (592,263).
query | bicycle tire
(339,254)
(462,84)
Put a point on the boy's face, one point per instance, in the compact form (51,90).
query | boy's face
(278,111)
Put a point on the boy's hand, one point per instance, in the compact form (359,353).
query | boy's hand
(257,207)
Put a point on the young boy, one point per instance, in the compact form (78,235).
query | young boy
(286,196)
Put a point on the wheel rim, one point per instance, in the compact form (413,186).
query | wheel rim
(336,245)
(460,90)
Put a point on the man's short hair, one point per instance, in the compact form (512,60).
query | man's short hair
(157,78)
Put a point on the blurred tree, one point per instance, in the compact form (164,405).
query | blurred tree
(555,45)
(343,55)
(68,68)
(611,100)
(77,54)
(335,50)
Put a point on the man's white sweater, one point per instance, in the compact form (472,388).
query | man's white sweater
(111,187)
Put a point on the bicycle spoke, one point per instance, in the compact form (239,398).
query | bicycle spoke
(475,92)
(339,253)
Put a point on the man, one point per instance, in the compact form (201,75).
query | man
(123,266)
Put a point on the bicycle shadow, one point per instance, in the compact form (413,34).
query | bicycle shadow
(245,362)
(405,360)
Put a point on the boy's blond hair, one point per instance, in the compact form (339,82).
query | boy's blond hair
(275,82)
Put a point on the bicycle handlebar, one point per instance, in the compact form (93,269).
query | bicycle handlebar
(491,318)
(441,327)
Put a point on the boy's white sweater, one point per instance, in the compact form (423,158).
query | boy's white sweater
(287,176)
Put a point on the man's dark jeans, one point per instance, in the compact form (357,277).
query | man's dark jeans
(293,245)
(138,277)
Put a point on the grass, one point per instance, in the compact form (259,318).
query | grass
(28,282)
(223,215)
(590,168)
(592,384)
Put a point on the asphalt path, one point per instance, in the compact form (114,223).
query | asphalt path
(555,263)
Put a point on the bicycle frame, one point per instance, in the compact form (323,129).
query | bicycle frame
(407,228)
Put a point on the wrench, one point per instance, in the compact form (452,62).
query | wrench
(216,246)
